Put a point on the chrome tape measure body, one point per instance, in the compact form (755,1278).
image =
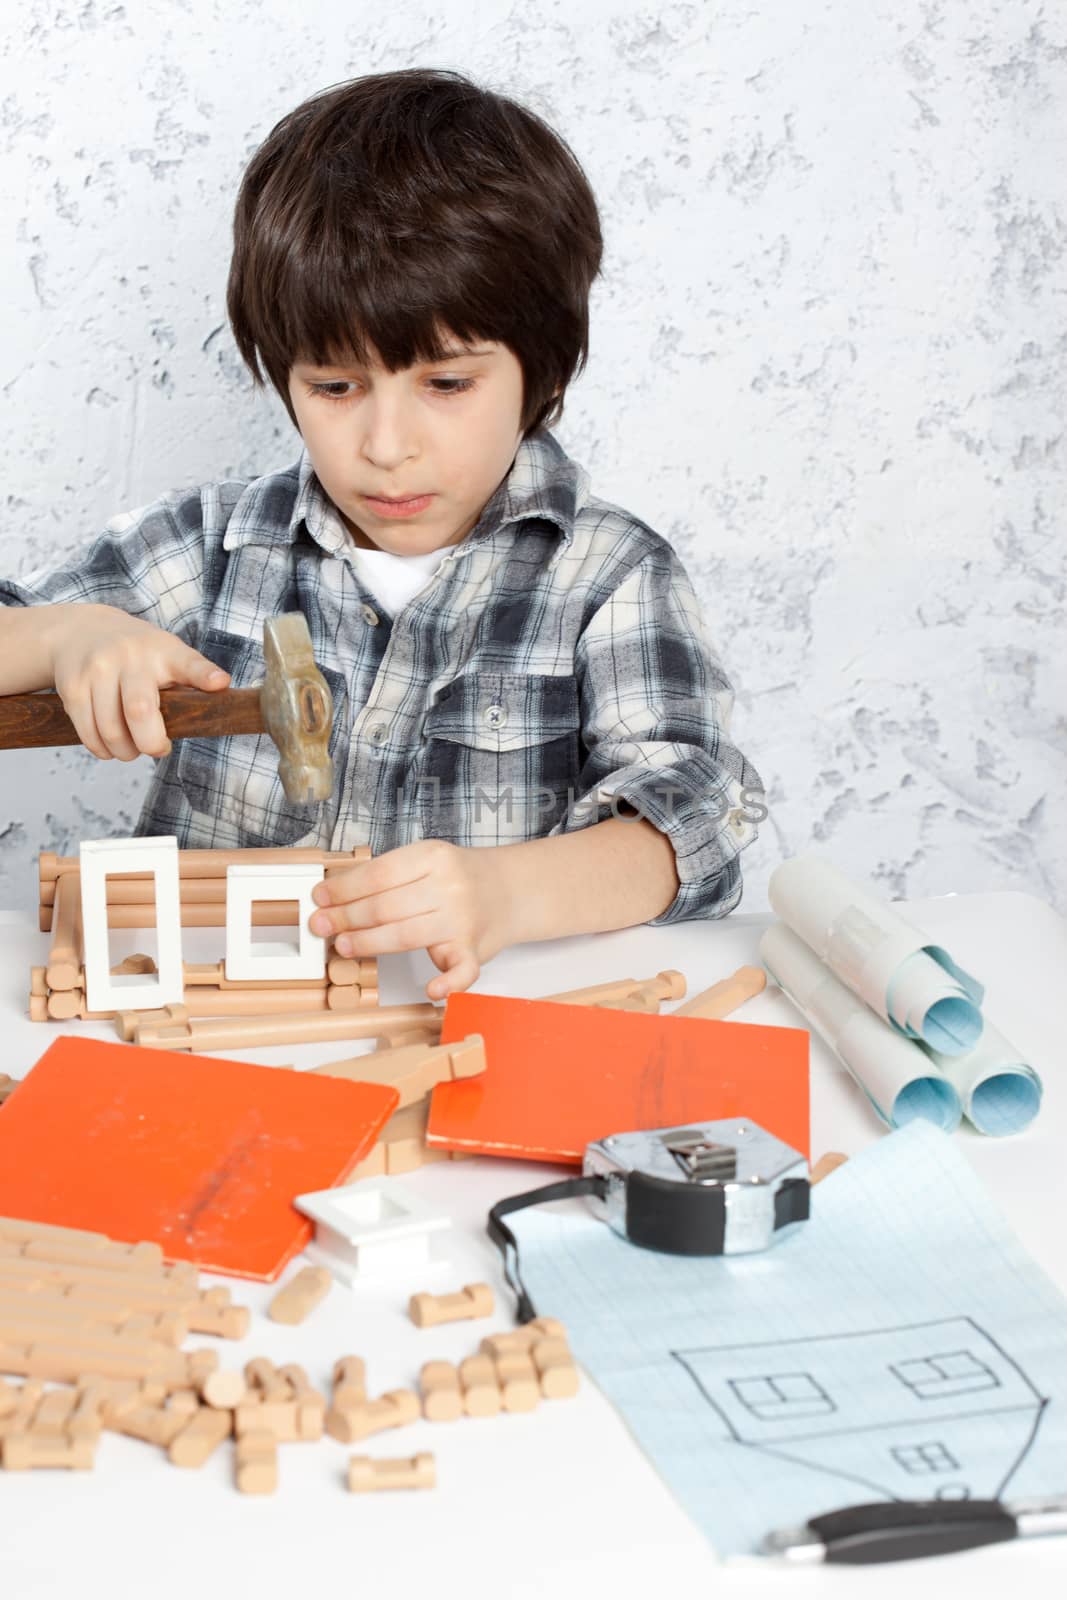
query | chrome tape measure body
(706,1189)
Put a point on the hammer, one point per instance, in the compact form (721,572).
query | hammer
(293,704)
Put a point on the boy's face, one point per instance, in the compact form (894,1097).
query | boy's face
(446,430)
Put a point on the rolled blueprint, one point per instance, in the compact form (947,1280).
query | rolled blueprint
(898,1078)
(999,1091)
(913,985)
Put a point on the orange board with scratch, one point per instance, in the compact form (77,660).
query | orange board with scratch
(202,1155)
(560,1076)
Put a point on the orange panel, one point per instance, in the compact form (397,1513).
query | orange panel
(558,1077)
(202,1155)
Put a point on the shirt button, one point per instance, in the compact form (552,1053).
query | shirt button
(369,615)
(496,716)
(377,733)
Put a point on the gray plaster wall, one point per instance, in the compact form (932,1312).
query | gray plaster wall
(828,361)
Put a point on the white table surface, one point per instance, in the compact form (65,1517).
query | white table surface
(560,1501)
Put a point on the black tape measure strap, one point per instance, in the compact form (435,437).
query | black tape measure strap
(504,1239)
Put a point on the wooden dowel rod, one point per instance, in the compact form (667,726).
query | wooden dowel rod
(238,1033)
(668,985)
(724,997)
(213,863)
(65,956)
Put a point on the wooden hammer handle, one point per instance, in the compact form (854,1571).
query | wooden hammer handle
(28,721)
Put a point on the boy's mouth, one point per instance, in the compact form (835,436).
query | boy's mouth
(398,508)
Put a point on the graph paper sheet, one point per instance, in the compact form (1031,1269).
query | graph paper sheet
(899,1345)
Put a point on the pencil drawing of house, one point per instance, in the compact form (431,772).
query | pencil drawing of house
(932,1410)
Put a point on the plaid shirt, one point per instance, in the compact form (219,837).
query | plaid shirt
(554,666)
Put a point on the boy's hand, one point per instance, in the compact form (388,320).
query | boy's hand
(108,669)
(429,894)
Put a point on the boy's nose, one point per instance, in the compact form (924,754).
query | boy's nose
(388,437)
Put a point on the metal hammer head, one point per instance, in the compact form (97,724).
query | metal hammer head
(297,709)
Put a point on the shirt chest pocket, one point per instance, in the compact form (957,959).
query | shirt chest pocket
(234,779)
(500,757)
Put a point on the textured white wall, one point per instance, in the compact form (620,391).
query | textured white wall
(828,361)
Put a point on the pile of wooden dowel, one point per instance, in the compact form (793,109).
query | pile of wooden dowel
(102,1323)
(104,1320)
(57,990)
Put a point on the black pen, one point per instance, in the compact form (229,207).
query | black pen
(903,1530)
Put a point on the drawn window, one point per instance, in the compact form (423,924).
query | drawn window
(954,1372)
(782,1395)
(919,1458)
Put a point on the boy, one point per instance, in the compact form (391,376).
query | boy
(531,727)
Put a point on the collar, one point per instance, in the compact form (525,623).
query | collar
(542,482)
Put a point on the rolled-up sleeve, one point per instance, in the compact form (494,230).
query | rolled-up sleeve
(148,563)
(655,709)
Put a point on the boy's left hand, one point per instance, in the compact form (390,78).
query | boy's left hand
(431,894)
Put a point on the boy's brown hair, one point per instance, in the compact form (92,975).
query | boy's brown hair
(396,208)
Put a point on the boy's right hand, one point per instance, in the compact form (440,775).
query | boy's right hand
(108,669)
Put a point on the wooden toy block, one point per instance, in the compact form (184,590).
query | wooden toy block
(20,1452)
(286,1420)
(520,1387)
(414,1069)
(826,1164)
(349,1381)
(725,997)
(87,1418)
(402,1146)
(54,1351)
(256,1463)
(201,1437)
(235,1002)
(669,985)
(19,1417)
(429,1310)
(8,1085)
(8,1397)
(40,1307)
(523,1339)
(152,1424)
(196,866)
(67,1363)
(266,1383)
(556,1371)
(98,1291)
(75,1335)
(481,1391)
(67,952)
(360,972)
(442,1396)
(54,1411)
(394,1409)
(223,1390)
(138,1259)
(15,1228)
(184,1403)
(303,1391)
(308,1027)
(366,1475)
(229,1322)
(297,1299)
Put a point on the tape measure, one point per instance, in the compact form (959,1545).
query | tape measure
(706,1189)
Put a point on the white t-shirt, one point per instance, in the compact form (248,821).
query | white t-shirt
(393,580)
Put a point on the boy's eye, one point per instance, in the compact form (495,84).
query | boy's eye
(444,386)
